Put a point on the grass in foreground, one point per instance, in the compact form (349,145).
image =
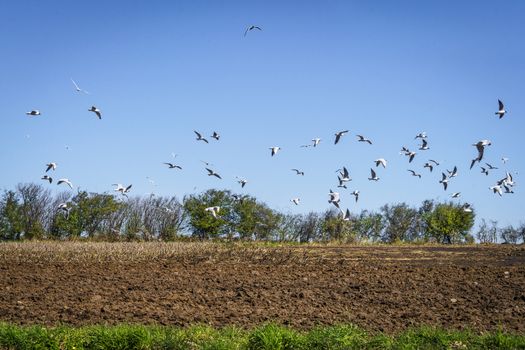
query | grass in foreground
(269,336)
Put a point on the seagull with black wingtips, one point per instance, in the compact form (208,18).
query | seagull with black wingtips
(484,171)
(496,189)
(424,145)
(216,136)
(173,166)
(480,146)
(334,199)
(355,193)
(199,136)
(453,173)
(33,113)
(373,175)
(429,166)
(347,216)
(47,178)
(213,211)
(444,181)
(51,166)
(298,172)
(501,110)
(456,195)
(380,161)
(250,28)
(361,138)
(65,181)
(97,111)
(414,173)
(275,149)
(338,136)
(295,201)
(421,135)
(213,173)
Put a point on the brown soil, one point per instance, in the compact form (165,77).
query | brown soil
(376,287)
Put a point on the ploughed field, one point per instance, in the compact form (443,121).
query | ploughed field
(379,288)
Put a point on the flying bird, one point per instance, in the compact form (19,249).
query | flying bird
(501,110)
(213,173)
(496,189)
(467,208)
(491,167)
(123,190)
(504,160)
(242,182)
(77,88)
(421,135)
(428,165)
(295,201)
(411,156)
(424,145)
(373,176)
(414,173)
(298,172)
(213,211)
(65,181)
(456,195)
(334,199)
(356,195)
(480,146)
(250,28)
(484,171)
(275,150)
(216,136)
(380,161)
(338,136)
(345,176)
(316,141)
(361,138)
(199,137)
(51,166)
(453,173)
(34,112)
(433,161)
(47,178)
(96,111)
(346,216)
(64,209)
(173,166)
(444,181)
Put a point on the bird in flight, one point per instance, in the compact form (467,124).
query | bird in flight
(316,141)
(77,88)
(414,173)
(480,146)
(456,195)
(173,166)
(380,161)
(467,208)
(444,181)
(95,110)
(344,175)
(334,199)
(346,216)
(355,193)
(361,138)
(216,136)
(123,190)
(65,181)
(338,136)
(428,165)
(242,182)
(213,173)
(424,145)
(501,110)
(51,166)
(213,211)
(199,136)
(453,173)
(491,167)
(47,178)
(496,189)
(298,172)
(250,28)
(295,201)
(421,135)
(33,112)
(484,171)
(373,176)
(275,149)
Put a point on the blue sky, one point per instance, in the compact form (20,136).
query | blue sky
(160,69)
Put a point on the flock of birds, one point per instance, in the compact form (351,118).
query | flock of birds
(503,186)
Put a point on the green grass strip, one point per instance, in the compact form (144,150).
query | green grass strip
(268,336)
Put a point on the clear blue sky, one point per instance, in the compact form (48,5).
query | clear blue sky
(160,69)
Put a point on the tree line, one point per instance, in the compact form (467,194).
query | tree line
(31,211)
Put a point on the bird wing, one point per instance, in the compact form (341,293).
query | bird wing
(345,172)
(199,136)
(255,27)
(76,86)
(481,150)
(373,173)
(500,104)
(209,171)
(217,175)
(128,188)
(169,164)
(337,137)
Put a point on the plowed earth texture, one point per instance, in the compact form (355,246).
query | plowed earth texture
(379,288)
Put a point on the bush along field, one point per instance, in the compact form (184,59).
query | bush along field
(269,336)
(32,212)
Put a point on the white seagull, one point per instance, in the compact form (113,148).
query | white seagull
(484,171)
(428,165)
(444,181)
(480,146)
(242,182)
(346,216)
(65,181)
(356,195)
(51,166)
(123,190)
(421,135)
(424,145)
(345,176)
(295,201)
(456,195)
(298,172)
(275,149)
(97,111)
(334,199)
(216,136)
(380,161)
(199,137)
(467,208)
(338,136)
(453,173)
(501,110)
(77,88)
(213,211)
(34,112)
(316,141)
(47,178)
(496,189)
(373,176)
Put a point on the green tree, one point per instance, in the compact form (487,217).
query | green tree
(202,222)
(369,226)
(401,222)
(11,223)
(449,222)
(333,227)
